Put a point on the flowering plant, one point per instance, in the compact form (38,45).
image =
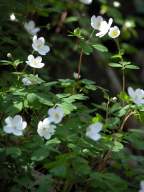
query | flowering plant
(69,134)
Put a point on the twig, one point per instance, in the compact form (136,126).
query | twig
(126,118)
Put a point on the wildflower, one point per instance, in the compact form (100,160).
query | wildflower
(35,62)
(87,2)
(56,114)
(76,75)
(141,186)
(101,25)
(30,28)
(93,131)
(39,45)
(129,24)
(136,95)
(9,55)
(13,17)
(15,125)
(46,129)
(26,81)
(96,22)
(114,32)
(116,4)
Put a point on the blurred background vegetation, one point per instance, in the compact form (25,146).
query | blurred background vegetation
(57,19)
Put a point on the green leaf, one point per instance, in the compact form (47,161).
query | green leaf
(67,107)
(131,67)
(13,151)
(40,154)
(100,47)
(86,48)
(115,65)
(117,146)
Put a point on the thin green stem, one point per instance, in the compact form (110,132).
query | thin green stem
(91,34)
(79,64)
(123,80)
(123,69)
(81,55)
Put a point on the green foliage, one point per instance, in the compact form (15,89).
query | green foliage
(69,160)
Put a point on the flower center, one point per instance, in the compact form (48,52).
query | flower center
(114,33)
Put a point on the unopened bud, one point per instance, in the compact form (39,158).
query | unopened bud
(13,17)
(9,55)
(114,99)
(116,4)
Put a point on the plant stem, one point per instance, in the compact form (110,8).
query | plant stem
(79,64)
(81,55)
(107,109)
(126,118)
(121,58)
(123,80)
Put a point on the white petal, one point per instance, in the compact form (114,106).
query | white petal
(17,132)
(30,58)
(8,129)
(42,40)
(110,22)
(44,50)
(96,21)
(31,24)
(35,39)
(131,92)
(39,65)
(35,31)
(38,59)
(8,120)
(17,119)
(93,136)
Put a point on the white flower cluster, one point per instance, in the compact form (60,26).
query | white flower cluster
(46,128)
(137,95)
(93,131)
(38,45)
(103,27)
(141,186)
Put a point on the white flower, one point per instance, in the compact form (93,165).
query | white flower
(129,24)
(87,2)
(76,76)
(30,27)
(26,81)
(116,4)
(56,114)
(114,32)
(35,62)
(15,125)
(13,17)
(141,186)
(46,129)
(136,95)
(104,27)
(96,22)
(39,45)
(93,131)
